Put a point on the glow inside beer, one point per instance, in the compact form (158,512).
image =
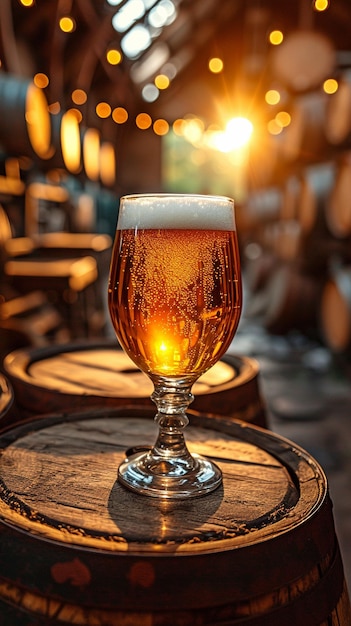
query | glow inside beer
(175,287)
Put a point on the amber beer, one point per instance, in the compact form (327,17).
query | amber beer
(175,289)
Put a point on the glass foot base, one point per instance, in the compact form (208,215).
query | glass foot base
(169,478)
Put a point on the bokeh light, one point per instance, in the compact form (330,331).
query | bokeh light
(215,65)
(119,115)
(330,85)
(276,37)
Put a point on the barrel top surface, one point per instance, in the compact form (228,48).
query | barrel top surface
(105,370)
(59,482)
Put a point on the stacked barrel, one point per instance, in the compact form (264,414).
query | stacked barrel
(297,254)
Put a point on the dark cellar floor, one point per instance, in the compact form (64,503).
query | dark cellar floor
(308,401)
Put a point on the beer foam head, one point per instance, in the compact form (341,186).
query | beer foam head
(176,211)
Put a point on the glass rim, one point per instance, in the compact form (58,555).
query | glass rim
(166,194)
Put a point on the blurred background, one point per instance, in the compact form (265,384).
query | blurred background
(246,98)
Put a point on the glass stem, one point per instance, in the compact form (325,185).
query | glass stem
(168,470)
(172,398)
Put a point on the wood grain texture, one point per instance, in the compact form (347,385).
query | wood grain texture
(91,374)
(77,548)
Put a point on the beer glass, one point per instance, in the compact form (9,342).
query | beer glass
(174,298)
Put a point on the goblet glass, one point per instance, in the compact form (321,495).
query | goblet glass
(174,298)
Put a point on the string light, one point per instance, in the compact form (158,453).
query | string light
(113,56)
(103,110)
(67,24)
(178,127)
(162,81)
(330,85)
(79,96)
(41,80)
(215,65)
(119,115)
(143,121)
(283,118)
(274,128)
(150,92)
(272,96)
(161,127)
(276,37)
(321,5)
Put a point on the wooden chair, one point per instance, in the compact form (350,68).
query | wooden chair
(62,244)
(29,320)
(69,281)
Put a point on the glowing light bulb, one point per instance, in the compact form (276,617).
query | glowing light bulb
(103,110)
(321,5)
(215,65)
(161,127)
(67,24)
(79,96)
(143,121)
(272,96)
(283,118)
(114,57)
(162,81)
(41,80)
(119,115)
(330,85)
(276,37)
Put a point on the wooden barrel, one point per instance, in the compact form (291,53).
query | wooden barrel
(286,240)
(304,139)
(338,209)
(87,374)
(335,311)
(78,548)
(258,265)
(304,59)
(263,205)
(6,402)
(25,125)
(292,299)
(338,113)
(290,197)
(316,184)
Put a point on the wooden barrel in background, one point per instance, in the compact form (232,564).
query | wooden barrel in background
(78,548)
(338,113)
(88,374)
(292,300)
(25,123)
(317,182)
(6,402)
(285,240)
(338,209)
(290,196)
(263,205)
(304,140)
(335,311)
(257,266)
